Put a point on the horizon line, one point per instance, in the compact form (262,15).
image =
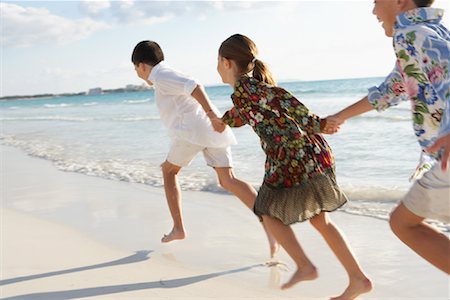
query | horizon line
(205,85)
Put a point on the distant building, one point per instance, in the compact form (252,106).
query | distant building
(95,91)
(133,87)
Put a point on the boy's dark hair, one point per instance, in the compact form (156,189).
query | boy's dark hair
(147,52)
(423,3)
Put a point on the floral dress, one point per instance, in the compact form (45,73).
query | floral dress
(299,180)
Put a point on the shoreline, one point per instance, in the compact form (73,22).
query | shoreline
(68,235)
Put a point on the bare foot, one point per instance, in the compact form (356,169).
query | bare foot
(303,274)
(355,288)
(273,243)
(175,234)
(274,247)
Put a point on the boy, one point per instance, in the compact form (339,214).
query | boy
(420,75)
(194,127)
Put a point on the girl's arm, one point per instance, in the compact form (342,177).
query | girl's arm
(292,108)
(233,119)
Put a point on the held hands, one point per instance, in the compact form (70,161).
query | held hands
(442,142)
(218,125)
(216,122)
(332,125)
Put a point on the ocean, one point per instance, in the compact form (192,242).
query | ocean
(120,137)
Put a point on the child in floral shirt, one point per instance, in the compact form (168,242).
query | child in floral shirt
(421,76)
(299,183)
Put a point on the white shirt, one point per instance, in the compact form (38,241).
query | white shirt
(181,113)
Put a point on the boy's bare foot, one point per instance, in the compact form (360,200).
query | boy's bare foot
(303,274)
(355,288)
(175,234)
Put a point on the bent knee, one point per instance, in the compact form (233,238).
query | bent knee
(170,169)
(226,180)
(226,183)
(320,222)
(401,218)
(396,221)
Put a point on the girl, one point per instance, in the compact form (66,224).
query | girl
(299,182)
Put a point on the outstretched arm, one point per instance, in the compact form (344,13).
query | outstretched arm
(358,108)
(200,95)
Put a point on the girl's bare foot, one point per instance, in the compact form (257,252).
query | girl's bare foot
(274,247)
(273,243)
(175,234)
(356,287)
(303,274)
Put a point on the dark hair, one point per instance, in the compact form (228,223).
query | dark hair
(423,3)
(147,52)
(243,52)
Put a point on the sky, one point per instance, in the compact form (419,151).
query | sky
(72,46)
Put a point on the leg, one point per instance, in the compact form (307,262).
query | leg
(358,281)
(173,196)
(422,238)
(286,237)
(247,194)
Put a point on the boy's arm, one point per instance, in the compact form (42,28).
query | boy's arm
(391,92)
(444,139)
(200,95)
(356,109)
(444,143)
(334,122)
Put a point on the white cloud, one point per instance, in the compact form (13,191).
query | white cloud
(27,26)
(142,12)
(94,7)
(151,12)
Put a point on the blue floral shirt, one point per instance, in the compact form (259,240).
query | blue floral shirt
(421,73)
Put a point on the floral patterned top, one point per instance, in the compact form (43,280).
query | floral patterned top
(421,73)
(289,133)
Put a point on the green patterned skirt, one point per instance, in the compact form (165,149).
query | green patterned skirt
(300,203)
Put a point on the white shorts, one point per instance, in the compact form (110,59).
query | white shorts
(429,197)
(181,154)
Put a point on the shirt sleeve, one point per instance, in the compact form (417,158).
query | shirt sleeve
(389,93)
(174,83)
(296,110)
(233,119)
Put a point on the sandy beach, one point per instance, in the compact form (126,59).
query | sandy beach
(70,236)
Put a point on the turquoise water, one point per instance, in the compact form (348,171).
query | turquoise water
(120,137)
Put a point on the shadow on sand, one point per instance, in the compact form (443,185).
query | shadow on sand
(106,290)
(137,257)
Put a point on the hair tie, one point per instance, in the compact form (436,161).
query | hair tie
(254,60)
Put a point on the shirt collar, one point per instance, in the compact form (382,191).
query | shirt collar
(419,15)
(155,70)
(242,78)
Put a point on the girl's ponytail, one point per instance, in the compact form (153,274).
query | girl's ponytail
(243,52)
(262,72)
